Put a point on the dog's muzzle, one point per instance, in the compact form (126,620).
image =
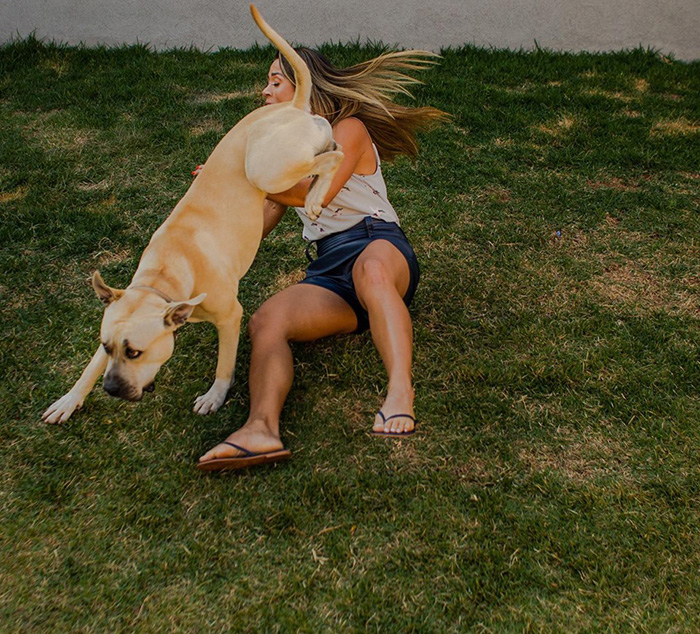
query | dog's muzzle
(115,386)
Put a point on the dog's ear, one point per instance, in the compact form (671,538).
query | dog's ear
(106,294)
(177,313)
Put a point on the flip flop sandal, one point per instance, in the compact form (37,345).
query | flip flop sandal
(400,434)
(248,459)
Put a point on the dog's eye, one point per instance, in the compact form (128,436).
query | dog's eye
(107,348)
(132,354)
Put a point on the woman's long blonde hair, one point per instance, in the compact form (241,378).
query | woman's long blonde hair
(365,91)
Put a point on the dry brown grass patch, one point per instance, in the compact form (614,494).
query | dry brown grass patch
(207,125)
(407,452)
(112,257)
(579,456)
(103,204)
(504,142)
(631,114)
(51,133)
(283,280)
(496,194)
(629,284)
(641,85)
(613,182)
(16,194)
(479,471)
(559,127)
(87,186)
(58,66)
(676,127)
(621,282)
(608,94)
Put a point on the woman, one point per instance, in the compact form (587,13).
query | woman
(366,272)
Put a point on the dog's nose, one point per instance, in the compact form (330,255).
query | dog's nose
(112,387)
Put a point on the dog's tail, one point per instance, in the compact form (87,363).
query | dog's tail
(302,76)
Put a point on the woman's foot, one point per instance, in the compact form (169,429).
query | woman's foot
(254,437)
(396,416)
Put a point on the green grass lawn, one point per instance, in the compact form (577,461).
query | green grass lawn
(555,482)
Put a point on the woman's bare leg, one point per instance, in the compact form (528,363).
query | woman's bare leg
(299,313)
(381,277)
(305,313)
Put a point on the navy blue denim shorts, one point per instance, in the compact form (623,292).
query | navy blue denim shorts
(337,253)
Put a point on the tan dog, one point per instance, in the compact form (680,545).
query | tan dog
(192,266)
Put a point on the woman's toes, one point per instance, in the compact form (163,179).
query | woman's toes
(393,424)
(221,450)
(403,425)
(211,454)
(379,424)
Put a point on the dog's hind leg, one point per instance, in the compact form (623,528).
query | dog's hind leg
(61,410)
(229,333)
(324,168)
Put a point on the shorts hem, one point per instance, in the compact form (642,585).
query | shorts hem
(333,268)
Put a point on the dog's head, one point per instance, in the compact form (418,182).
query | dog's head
(137,334)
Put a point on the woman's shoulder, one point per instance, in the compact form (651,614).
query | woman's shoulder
(351,125)
(352,133)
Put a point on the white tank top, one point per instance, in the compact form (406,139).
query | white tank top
(361,196)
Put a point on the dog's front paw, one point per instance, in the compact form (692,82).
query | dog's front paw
(313,204)
(213,399)
(312,212)
(61,410)
(325,166)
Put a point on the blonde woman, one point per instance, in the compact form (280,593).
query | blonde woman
(365,273)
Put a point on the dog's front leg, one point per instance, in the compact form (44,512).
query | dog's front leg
(61,410)
(324,167)
(229,332)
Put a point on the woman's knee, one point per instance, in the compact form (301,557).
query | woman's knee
(375,282)
(381,268)
(371,274)
(266,321)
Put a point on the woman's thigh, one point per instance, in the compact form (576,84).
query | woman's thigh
(304,312)
(381,262)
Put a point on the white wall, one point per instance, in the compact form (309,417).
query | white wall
(671,26)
